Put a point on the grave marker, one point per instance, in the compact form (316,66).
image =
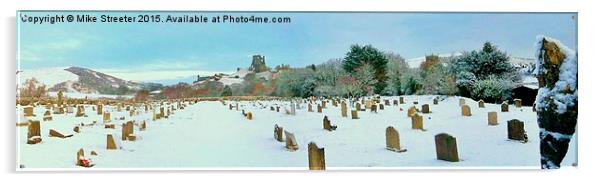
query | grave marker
(504,107)
(392,140)
(417,122)
(492,118)
(316,157)
(291,143)
(481,103)
(33,132)
(446,147)
(516,130)
(518,103)
(326,124)
(466,110)
(278,133)
(425,108)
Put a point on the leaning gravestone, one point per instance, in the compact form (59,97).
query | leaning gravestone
(516,130)
(28,111)
(326,124)
(316,157)
(446,147)
(47,116)
(291,142)
(33,132)
(466,110)
(417,122)
(278,133)
(492,118)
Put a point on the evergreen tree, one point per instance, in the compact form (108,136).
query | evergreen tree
(360,55)
(227,91)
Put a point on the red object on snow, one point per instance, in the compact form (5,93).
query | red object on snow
(85,162)
(400,109)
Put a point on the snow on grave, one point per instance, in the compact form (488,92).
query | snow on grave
(556,103)
(327,125)
(516,130)
(82,160)
(481,103)
(392,140)
(47,116)
(417,122)
(446,147)
(425,109)
(466,110)
(291,142)
(316,157)
(492,118)
(278,133)
(33,132)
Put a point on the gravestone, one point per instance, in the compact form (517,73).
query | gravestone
(309,108)
(76,129)
(344,109)
(395,102)
(291,143)
(446,148)
(516,130)
(518,103)
(373,108)
(326,124)
(462,101)
(381,106)
(142,125)
(80,158)
(481,104)
(504,107)
(106,117)
(392,140)
(319,108)
(249,116)
(354,114)
(492,118)
(99,109)
(59,100)
(28,111)
(33,132)
(417,122)
(411,111)
(54,133)
(127,129)
(278,133)
(401,100)
(387,102)
(466,110)
(358,106)
(80,111)
(323,104)
(316,157)
(109,125)
(425,108)
(436,101)
(161,113)
(47,116)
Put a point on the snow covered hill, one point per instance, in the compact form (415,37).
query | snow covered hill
(77,80)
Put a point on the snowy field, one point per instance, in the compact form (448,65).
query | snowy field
(209,135)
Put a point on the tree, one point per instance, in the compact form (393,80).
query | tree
(358,56)
(395,69)
(141,95)
(365,78)
(32,88)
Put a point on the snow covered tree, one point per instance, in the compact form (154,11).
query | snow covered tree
(32,89)
(410,82)
(358,56)
(396,67)
(556,102)
(365,78)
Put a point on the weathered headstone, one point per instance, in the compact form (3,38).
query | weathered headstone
(127,129)
(319,108)
(411,111)
(80,158)
(425,109)
(76,129)
(481,104)
(47,116)
(54,133)
(516,130)
(142,125)
(291,142)
(106,117)
(387,102)
(358,106)
(28,111)
(80,111)
(354,114)
(249,116)
(395,102)
(344,109)
(309,108)
(33,132)
(373,108)
(99,109)
(504,107)
(316,157)
(327,125)
(466,110)
(436,101)
(446,147)
(518,103)
(401,100)
(417,122)
(392,140)
(492,118)
(462,101)
(278,133)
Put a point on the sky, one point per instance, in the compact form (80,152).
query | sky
(172,52)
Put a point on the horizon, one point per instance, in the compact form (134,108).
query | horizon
(176,52)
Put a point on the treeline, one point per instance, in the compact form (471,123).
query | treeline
(364,70)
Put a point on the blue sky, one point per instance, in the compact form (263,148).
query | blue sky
(166,51)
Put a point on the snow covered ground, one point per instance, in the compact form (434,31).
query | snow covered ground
(209,135)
